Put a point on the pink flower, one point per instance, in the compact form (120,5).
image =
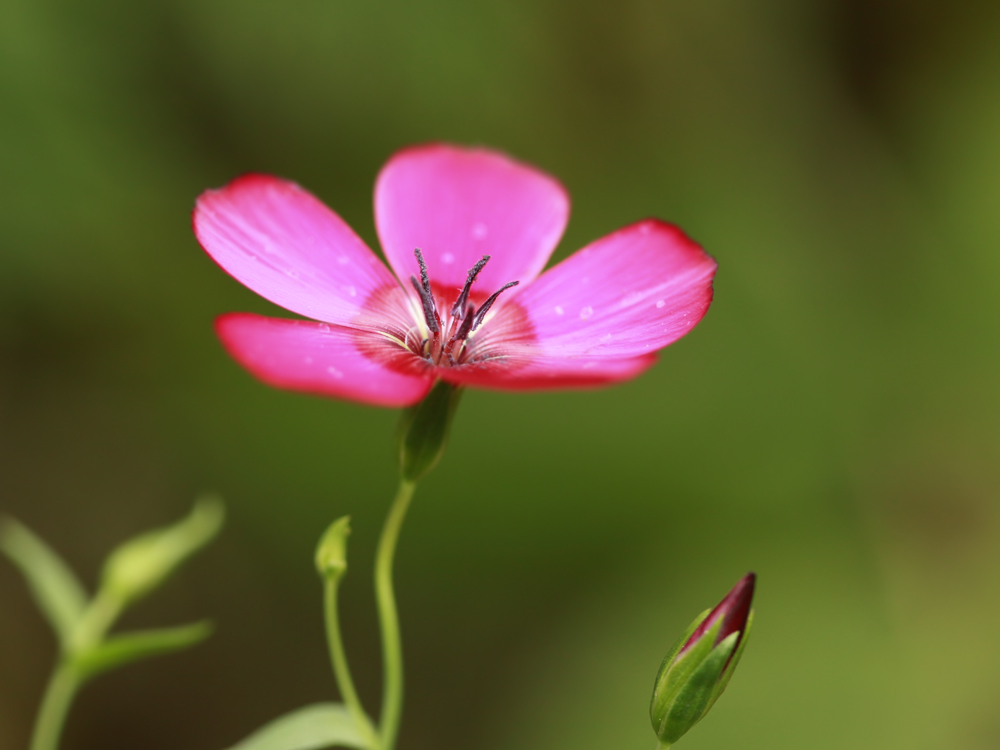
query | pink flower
(468,306)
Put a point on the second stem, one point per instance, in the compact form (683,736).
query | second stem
(385,597)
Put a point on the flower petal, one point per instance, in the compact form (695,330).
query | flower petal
(286,245)
(550,373)
(302,355)
(459,204)
(625,295)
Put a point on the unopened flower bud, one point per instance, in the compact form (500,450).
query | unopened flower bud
(331,554)
(700,665)
(423,430)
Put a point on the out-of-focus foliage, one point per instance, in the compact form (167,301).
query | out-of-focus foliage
(832,423)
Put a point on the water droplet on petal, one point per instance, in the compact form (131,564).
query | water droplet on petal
(448,258)
(352,291)
(660,303)
(586,312)
(559,310)
(479,230)
(335,372)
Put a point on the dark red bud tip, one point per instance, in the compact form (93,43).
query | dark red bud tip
(734,610)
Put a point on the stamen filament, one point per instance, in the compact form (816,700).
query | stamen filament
(485,308)
(430,312)
(458,309)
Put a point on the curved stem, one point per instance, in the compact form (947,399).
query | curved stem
(55,705)
(340,669)
(392,647)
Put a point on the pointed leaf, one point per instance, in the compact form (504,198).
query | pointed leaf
(314,727)
(142,563)
(141,644)
(56,589)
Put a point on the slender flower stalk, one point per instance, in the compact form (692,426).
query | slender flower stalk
(331,563)
(385,597)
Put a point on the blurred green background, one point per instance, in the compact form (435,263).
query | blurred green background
(831,424)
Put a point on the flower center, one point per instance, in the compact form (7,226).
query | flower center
(447,341)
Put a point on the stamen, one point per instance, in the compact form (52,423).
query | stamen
(458,308)
(485,308)
(430,312)
(463,330)
(424,280)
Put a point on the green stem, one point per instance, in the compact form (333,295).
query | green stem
(96,620)
(65,680)
(55,705)
(339,660)
(392,647)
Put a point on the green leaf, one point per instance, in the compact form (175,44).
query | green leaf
(141,644)
(141,564)
(314,727)
(55,588)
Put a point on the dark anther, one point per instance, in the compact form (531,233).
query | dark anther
(485,307)
(424,281)
(430,312)
(463,330)
(458,308)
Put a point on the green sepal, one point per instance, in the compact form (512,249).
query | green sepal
(658,688)
(55,588)
(423,430)
(677,673)
(122,649)
(331,552)
(142,563)
(731,667)
(321,725)
(694,697)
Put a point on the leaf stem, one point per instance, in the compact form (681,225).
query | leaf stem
(66,679)
(340,669)
(99,616)
(59,695)
(392,647)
